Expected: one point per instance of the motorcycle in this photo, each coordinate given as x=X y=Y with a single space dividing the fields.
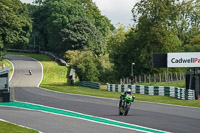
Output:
x=30 y=72
x=126 y=104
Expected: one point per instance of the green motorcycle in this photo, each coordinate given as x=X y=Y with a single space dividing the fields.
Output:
x=126 y=104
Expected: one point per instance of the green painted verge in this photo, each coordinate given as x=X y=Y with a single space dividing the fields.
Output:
x=79 y=116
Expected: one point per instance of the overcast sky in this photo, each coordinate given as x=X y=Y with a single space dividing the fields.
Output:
x=115 y=10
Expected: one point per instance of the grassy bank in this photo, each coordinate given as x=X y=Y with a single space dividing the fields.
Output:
x=6 y=127
x=55 y=79
x=6 y=63
x=180 y=83
x=54 y=74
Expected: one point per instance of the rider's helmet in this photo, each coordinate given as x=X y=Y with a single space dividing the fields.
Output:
x=129 y=91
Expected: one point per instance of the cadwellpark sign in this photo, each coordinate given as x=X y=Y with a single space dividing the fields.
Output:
x=191 y=59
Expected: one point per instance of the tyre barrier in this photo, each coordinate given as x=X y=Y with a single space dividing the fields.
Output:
x=89 y=84
x=180 y=93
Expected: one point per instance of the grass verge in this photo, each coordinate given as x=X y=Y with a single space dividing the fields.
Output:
x=11 y=128
x=54 y=74
x=180 y=83
x=7 y=64
x=55 y=79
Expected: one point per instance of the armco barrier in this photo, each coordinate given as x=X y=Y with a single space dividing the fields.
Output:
x=52 y=56
x=180 y=93
x=89 y=84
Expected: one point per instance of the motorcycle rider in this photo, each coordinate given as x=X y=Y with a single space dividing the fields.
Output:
x=30 y=72
x=123 y=95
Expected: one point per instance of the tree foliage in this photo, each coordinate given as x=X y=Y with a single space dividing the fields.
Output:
x=85 y=64
x=101 y=22
x=160 y=26
x=88 y=66
x=82 y=33
x=153 y=33
x=70 y=24
x=15 y=24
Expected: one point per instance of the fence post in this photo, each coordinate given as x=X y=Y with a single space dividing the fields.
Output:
x=183 y=76
x=121 y=81
x=149 y=78
x=176 y=77
x=165 y=77
x=124 y=82
x=160 y=76
x=169 y=78
x=139 y=78
x=129 y=81
x=135 y=79
x=171 y=75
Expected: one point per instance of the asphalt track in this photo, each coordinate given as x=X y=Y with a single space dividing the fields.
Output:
x=169 y=118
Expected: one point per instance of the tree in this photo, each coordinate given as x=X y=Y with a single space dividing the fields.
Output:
x=101 y=22
x=85 y=63
x=82 y=33
x=15 y=24
x=90 y=67
x=56 y=20
x=116 y=49
x=153 y=32
x=187 y=20
x=194 y=44
x=51 y=17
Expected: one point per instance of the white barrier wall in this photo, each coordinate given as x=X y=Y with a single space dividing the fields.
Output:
x=180 y=93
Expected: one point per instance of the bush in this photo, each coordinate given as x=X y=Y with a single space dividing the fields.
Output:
x=88 y=66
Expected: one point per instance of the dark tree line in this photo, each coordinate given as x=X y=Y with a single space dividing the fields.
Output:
x=61 y=25
x=15 y=24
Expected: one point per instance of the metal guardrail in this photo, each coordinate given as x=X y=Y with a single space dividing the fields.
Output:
x=89 y=84
x=51 y=55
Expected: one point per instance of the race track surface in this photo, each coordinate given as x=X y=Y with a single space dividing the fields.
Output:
x=169 y=118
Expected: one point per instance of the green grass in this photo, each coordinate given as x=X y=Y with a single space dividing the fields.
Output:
x=6 y=127
x=54 y=74
x=55 y=79
x=7 y=63
x=180 y=83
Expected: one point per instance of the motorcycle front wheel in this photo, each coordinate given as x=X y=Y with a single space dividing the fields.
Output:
x=127 y=107
x=120 y=112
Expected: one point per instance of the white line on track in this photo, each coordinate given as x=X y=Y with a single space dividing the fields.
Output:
x=42 y=71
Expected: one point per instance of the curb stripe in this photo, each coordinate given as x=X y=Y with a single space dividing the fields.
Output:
x=80 y=116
